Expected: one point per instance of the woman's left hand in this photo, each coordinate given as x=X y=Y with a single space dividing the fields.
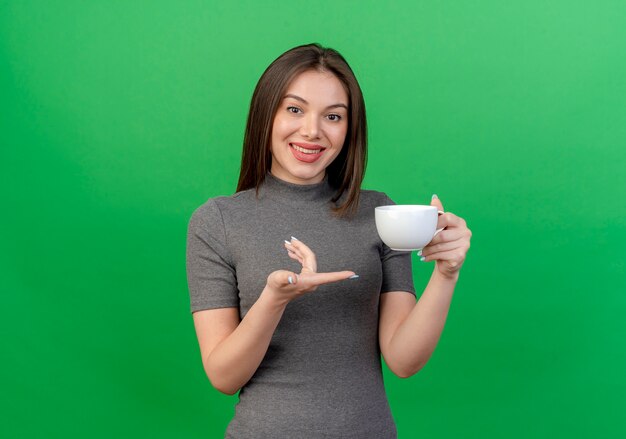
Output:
x=449 y=247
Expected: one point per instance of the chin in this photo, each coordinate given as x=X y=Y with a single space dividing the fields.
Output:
x=306 y=174
x=309 y=175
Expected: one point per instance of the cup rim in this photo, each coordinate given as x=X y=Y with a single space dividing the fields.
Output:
x=406 y=207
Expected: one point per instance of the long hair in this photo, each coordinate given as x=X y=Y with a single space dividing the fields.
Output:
x=346 y=172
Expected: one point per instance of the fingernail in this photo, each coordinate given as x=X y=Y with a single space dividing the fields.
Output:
x=354 y=276
x=419 y=253
x=422 y=258
x=295 y=239
x=287 y=242
x=290 y=280
x=434 y=196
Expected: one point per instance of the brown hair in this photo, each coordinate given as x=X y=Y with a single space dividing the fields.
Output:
x=346 y=172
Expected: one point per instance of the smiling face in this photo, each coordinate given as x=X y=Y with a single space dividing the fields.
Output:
x=309 y=128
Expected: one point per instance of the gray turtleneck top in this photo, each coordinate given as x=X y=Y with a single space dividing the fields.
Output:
x=321 y=376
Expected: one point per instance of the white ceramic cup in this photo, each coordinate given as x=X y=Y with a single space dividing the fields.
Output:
x=407 y=227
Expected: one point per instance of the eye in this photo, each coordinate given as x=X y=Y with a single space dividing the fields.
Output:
x=294 y=110
x=334 y=117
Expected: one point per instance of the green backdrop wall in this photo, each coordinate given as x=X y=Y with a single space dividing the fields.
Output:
x=119 y=118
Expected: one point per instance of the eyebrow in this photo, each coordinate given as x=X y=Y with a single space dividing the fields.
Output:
x=298 y=98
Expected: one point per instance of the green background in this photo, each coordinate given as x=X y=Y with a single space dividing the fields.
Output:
x=119 y=118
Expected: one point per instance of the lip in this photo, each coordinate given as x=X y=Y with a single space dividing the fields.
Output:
x=308 y=145
x=306 y=158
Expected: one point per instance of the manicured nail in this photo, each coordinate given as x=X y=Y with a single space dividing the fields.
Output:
x=354 y=276
x=295 y=239
x=422 y=258
x=287 y=242
x=419 y=253
x=290 y=280
x=434 y=196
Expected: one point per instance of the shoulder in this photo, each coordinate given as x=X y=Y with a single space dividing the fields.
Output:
x=207 y=213
x=369 y=200
x=371 y=197
x=208 y=218
x=214 y=208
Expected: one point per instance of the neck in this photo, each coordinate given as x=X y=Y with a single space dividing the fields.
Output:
x=312 y=194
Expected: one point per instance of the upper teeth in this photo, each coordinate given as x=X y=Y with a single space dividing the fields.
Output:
x=306 y=151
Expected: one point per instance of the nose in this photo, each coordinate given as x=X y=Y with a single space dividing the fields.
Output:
x=310 y=127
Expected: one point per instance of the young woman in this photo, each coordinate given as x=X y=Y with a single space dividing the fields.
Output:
x=294 y=296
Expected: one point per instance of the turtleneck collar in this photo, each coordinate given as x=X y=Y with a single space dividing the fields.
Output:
x=297 y=194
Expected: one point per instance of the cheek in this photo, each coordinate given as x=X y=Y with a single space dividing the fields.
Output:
x=338 y=134
x=283 y=127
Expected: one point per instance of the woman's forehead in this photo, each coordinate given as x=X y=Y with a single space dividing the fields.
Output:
x=314 y=86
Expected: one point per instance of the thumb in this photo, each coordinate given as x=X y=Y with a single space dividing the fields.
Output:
x=435 y=201
x=282 y=278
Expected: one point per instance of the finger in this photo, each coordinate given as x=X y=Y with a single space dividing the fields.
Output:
x=447 y=235
x=326 y=278
x=310 y=260
x=442 y=246
x=450 y=220
x=297 y=255
x=283 y=278
x=453 y=257
x=435 y=201
x=293 y=249
x=292 y=255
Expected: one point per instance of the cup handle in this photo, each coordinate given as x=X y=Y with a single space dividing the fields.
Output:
x=440 y=212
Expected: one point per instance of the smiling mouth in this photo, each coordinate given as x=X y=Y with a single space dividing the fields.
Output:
x=306 y=150
x=307 y=155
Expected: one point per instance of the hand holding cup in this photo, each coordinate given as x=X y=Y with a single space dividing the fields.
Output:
x=441 y=237
x=449 y=248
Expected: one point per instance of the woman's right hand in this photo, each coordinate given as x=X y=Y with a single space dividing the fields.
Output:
x=286 y=285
